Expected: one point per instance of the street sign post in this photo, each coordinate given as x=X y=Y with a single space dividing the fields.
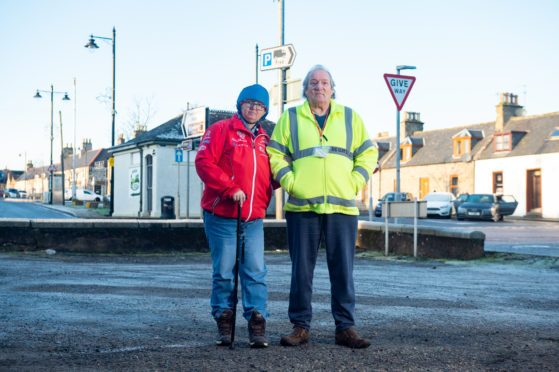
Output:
x=400 y=88
x=178 y=155
x=281 y=56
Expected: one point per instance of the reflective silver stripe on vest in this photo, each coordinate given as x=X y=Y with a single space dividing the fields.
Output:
x=282 y=172
x=303 y=202
x=278 y=146
x=294 y=129
x=309 y=152
x=362 y=171
x=368 y=143
x=334 y=200
x=348 y=129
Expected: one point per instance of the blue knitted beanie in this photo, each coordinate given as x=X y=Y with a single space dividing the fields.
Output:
x=254 y=92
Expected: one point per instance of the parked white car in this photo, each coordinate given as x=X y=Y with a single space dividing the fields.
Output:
x=439 y=204
x=83 y=194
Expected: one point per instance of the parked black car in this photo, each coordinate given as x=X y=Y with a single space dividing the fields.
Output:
x=487 y=207
x=391 y=196
x=460 y=199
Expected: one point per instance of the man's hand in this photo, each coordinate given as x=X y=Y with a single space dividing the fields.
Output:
x=239 y=197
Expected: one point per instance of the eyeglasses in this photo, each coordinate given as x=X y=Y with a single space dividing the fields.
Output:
x=255 y=105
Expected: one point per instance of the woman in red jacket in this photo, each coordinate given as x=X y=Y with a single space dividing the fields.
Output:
x=233 y=164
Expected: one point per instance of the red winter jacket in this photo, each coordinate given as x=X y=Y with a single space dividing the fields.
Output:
x=229 y=159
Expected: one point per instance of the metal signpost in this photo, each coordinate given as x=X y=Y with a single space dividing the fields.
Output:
x=178 y=160
x=400 y=87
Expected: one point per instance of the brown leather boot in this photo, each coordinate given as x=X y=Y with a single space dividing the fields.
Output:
x=224 y=327
x=257 y=330
x=350 y=338
x=298 y=336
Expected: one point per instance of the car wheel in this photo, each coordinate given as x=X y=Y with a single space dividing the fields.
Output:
x=97 y=199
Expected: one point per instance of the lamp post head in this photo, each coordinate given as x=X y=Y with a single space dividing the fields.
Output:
x=404 y=67
x=91 y=44
x=66 y=98
x=37 y=95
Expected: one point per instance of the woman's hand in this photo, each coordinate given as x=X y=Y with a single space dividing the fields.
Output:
x=239 y=197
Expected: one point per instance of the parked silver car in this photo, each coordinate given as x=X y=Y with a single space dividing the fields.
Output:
x=11 y=193
x=439 y=204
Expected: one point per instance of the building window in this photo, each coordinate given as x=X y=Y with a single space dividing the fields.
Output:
x=454 y=189
x=405 y=152
x=497 y=182
x=503 y=142
x=555 y=134
x=461 y=146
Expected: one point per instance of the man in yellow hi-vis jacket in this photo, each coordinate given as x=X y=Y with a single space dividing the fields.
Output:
x=322 y=156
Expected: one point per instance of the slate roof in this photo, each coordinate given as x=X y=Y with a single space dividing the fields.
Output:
x=438 y=146
x=170 y=132
x=534 y=133
x=536 y=140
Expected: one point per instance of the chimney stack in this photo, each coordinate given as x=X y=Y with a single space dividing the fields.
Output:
x=410 y=124
x=140 y=129
x=120 y=139
x=507 y=108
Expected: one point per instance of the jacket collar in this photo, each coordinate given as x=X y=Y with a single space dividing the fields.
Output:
x=335 y=109
x=237 y=123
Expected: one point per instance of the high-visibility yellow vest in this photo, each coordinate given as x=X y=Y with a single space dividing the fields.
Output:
x=322 y=174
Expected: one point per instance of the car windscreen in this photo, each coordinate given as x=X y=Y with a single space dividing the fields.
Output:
x=480 y=198
x=437 y=197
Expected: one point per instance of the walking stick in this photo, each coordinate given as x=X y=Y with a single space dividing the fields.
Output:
x=236 y=271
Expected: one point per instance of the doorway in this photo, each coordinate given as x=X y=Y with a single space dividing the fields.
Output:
x=149 y=183
x=423 y=187
x=534 y=191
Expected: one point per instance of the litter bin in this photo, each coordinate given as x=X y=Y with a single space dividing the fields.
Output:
x=168 y=207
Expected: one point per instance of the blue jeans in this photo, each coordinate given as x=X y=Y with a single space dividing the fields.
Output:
x=222 y=237
x=304 y=232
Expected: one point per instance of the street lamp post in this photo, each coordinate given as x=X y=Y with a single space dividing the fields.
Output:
x=398 y=69
x=92 y=45
x=65 y=98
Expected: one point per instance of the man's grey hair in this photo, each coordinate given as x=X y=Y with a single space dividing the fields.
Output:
x=308 y=77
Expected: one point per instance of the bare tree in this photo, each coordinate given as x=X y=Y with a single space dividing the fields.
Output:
x=139 y=115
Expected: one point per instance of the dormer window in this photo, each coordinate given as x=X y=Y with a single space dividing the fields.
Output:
x=465 y=140
x=409 y=146
x=502 y=142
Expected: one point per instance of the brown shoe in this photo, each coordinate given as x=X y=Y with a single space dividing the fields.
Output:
x=298 y=336
x=224 y=327
x=257 y=330
x=350 y=338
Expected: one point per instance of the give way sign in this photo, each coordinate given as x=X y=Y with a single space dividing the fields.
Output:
x=400 y=87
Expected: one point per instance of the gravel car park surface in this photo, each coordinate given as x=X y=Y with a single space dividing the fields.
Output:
x=145 y=313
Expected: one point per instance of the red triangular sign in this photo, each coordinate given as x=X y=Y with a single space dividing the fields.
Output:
x=400 y=87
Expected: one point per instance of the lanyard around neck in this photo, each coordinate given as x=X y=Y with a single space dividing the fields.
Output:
x=321 y=131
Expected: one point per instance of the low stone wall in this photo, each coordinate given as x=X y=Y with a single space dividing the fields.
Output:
x=159 y=236
x=431 y=242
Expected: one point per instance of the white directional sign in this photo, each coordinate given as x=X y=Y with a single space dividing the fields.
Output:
x=278 y=57
x=400 y=87
x=194 y=122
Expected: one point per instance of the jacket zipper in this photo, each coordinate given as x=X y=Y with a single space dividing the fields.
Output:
x=253 y=176
x=215 y=203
